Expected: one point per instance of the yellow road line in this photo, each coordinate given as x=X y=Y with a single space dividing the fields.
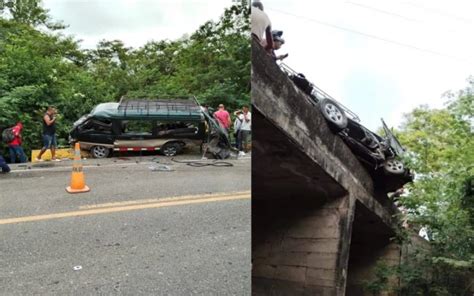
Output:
x=165 y=199
x=122 y=209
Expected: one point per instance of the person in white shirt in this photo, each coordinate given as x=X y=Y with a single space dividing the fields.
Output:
x=237 y=126
x=245 y=129
x=261 y=25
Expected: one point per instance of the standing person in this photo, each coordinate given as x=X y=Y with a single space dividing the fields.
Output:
x=223 y=117
x=245 y=129
x=49 y=133
x=3 y=165
x=237 y=129
x=261 y=25
x=15 y=145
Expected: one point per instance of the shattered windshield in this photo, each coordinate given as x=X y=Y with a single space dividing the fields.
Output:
x=81 y=120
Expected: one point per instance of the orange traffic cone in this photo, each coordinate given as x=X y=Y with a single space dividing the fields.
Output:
x=78 y=184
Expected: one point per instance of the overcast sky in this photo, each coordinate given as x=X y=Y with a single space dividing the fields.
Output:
x=133 y=21
x=329 y=42
x=430 y=50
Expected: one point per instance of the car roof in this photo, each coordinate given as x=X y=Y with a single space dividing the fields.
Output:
x=169 y=109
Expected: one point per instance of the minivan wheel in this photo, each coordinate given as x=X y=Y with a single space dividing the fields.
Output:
x=394 y=167
x=333 y=113
x=170 y=149
x=100 y=151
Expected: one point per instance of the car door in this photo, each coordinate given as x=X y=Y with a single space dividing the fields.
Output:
x=392 y=140
x=216 y=130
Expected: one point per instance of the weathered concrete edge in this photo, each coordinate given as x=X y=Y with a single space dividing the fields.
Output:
x=272 y=103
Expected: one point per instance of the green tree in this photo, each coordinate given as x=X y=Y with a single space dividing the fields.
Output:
x=441 y=154
x=43 y=67
x=29 y=12
x=213 y=64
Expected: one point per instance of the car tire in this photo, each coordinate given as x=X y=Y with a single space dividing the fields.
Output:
x=393 y=167
x=100 y=151
x=170 y=149
x=333 y=114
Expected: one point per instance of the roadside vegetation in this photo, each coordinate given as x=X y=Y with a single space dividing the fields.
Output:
x=440 y=201
x=41 y=66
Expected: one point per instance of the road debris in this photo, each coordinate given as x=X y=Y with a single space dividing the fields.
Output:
x=204 y=162
x=77 y=267
x=162 y=168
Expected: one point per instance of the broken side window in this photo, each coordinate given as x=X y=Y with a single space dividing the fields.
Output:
x=98 y=125
x=137 y=127
x=182 y=129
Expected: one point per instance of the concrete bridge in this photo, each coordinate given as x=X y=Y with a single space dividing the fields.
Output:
x=318 y=225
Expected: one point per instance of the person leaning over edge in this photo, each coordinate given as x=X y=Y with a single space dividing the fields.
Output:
x=278 y=41
x=49 y=133
x=261 y=25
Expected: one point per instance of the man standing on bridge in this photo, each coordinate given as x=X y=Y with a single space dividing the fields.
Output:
x=261 y=25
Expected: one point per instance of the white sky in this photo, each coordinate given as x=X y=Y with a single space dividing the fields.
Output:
x=375 y=78
x=133 y=21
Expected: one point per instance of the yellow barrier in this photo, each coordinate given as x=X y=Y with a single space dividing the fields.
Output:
x=60 y=153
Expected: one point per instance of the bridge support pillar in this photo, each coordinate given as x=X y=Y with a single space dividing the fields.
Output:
x=301 y=249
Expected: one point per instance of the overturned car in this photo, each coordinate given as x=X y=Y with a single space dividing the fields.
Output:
x=166 y=125
x=380 y=155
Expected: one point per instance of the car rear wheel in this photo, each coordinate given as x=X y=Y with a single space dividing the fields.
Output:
x=100 y=151
x=170 y=149
x=333 y=113
x=394 y=167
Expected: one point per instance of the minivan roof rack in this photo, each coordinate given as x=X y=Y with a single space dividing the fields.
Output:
x=170 y=108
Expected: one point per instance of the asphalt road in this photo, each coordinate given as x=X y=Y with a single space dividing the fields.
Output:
x=137 y=232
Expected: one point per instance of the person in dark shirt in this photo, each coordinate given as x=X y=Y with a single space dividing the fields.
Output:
x=3 y=165
x=49 y=134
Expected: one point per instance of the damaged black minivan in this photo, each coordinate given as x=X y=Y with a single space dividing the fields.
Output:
x=166 y=125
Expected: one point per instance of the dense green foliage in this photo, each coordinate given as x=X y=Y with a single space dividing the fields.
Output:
x=442 y=155
x=39 y=66
x=440 y=200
